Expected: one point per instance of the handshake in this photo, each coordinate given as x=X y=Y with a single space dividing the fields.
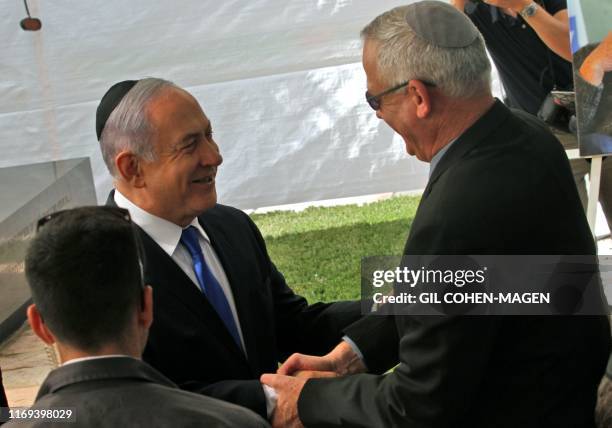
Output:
x=291 y=377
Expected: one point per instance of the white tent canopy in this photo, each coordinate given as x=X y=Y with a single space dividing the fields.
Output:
x=281 y=81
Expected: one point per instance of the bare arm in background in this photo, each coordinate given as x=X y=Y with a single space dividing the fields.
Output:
x=553 y=30
x=598 y=62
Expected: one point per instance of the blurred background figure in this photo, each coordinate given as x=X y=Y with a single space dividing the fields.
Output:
x=529 y=42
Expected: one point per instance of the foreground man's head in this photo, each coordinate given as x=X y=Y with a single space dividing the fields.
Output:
x=84 y=271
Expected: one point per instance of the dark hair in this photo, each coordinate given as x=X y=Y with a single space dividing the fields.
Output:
x=84 y=270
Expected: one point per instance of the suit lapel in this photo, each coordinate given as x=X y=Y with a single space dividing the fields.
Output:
x=470 y=139
x=162 y=271
x=160 y=265
x=228 y=258
x=491 y=120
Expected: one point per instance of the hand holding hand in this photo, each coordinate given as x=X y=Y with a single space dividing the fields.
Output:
x=299 y=363
x=342 y=360
x=598 y=62
x=288 y=389
x=312 y=374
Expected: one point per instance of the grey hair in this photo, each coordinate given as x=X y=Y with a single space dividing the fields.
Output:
x=128 y=126
x=403 y=55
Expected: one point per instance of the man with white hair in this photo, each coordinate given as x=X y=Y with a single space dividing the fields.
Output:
x=492 y=190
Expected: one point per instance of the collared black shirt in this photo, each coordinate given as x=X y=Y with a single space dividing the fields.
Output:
x=521 y=58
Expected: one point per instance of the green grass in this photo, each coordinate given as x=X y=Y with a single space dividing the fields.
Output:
x=319 y=250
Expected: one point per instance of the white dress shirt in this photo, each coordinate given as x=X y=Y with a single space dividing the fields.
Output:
x=167 y=235
x=435 y=160
x=94 y=357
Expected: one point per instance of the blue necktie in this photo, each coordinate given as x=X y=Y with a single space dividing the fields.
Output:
x=208 y=283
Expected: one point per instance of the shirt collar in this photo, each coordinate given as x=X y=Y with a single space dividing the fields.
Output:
x=101 y=368
x=435 y=160
x=495 y=13
x=165 y=233
x=96 y=357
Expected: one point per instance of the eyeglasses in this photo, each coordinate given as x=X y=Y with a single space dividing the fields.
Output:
x=121 y=213
x=374 y=100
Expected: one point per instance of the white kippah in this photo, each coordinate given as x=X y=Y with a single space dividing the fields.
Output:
x=441 y=24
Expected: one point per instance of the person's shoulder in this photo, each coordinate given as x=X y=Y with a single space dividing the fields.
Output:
x=222 y=212
x=509 y=157
x=228 y=220
x=518 y=135
x=537 y=133
x=48 y=402
x=531 y=122
x=138 y=404
x=187 y=406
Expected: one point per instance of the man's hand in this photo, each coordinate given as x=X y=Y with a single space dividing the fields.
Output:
x=312 y=374
x=598 y=62
x=306 y=363
x=342 y=360
x=288 y=389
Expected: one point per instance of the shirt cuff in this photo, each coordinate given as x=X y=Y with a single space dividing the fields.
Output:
x=355 y=349
x=271 y=397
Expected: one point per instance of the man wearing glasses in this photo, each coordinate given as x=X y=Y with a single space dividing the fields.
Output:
x=223 y=312
x=85 y=273
x=492 y=190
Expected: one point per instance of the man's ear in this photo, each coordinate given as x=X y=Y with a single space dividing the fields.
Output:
x=38 y=325
x=145 y=317
x=129 y=167
x=421 y=97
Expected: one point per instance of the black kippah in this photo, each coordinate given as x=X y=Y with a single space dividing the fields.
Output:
x=110 y=101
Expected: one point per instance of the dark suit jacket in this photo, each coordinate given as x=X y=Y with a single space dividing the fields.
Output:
x=118 y=392
x=188 y=341
x=3 y=400
x=504 y=187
